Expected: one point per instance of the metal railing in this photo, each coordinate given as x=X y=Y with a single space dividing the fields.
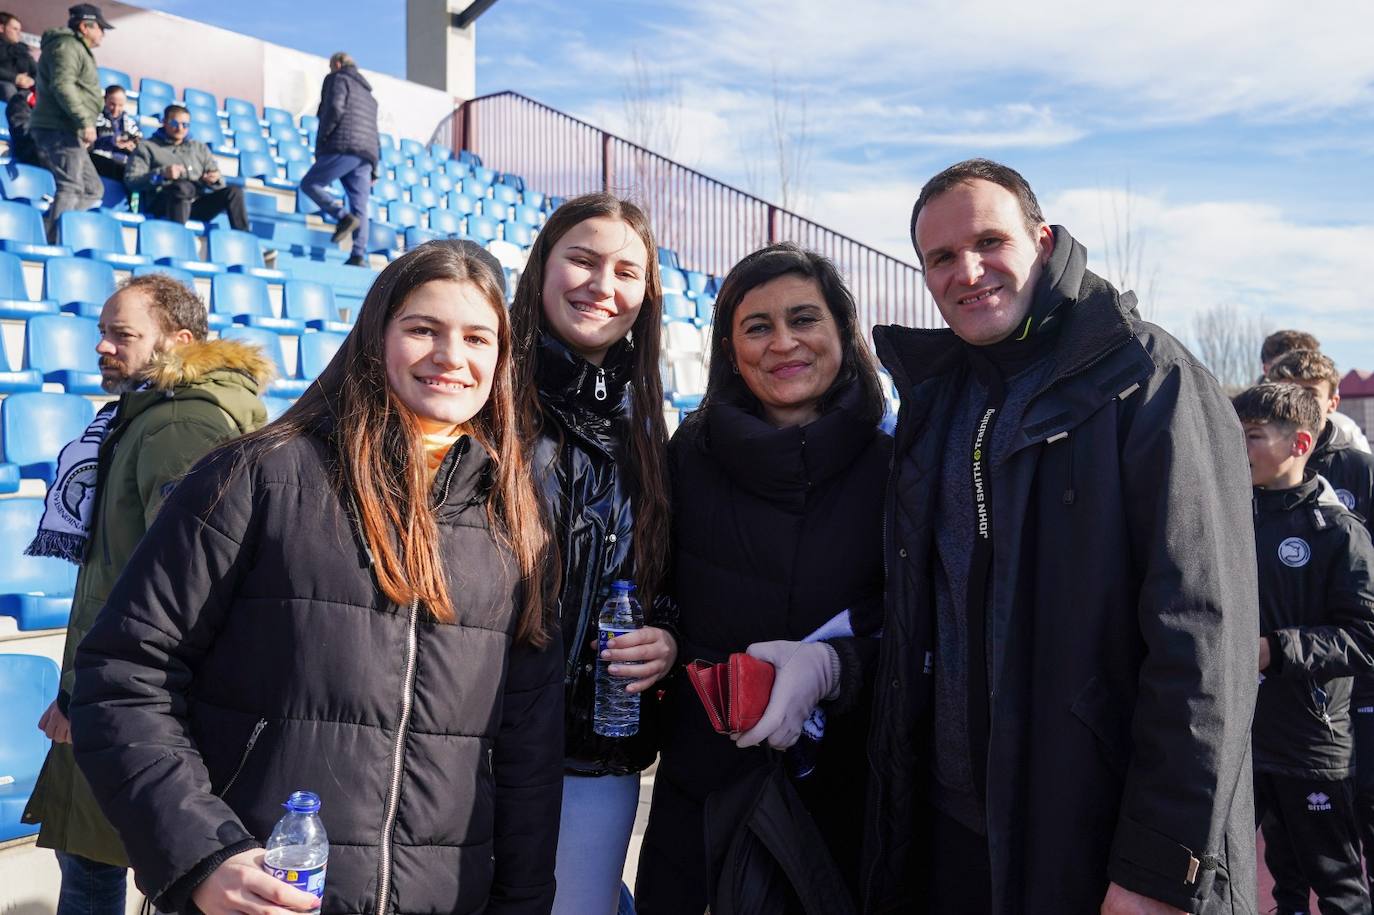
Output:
x=709 y=224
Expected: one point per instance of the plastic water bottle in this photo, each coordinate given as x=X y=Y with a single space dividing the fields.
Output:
x=617 y=712
x=298 y=850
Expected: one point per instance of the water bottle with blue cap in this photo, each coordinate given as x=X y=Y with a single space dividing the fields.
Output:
x=298 y=850
x=616 y=712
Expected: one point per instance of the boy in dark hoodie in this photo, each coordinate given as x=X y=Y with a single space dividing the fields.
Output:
x=1317 y=631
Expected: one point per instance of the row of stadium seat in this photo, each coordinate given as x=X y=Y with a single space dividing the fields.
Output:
x=28 y=683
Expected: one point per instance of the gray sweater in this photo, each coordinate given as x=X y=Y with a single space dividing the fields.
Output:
x=158 y=151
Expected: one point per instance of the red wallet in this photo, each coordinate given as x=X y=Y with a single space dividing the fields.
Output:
x=735 y=692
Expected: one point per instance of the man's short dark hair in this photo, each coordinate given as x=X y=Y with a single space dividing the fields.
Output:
x=5 y=19
x=1285 y=341
x=975 y=170
x=1305 y=365
x=1286 y=406
x=176 y=306
x=112 y=89
x=173 y=109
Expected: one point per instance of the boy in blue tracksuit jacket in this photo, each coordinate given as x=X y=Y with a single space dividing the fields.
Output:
x=1316 y=633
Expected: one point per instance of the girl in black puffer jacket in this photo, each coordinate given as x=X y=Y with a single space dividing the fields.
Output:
x=349 y=601
x=586 y=318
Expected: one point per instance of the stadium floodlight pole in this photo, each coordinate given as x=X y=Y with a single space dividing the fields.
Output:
x=468 y=16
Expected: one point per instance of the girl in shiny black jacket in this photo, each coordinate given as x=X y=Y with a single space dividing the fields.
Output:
x=586 y=318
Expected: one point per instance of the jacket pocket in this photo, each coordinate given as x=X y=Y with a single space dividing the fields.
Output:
x=243 y=757
x=1100 y=712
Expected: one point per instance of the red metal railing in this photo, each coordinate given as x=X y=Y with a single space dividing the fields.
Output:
x=710 y=224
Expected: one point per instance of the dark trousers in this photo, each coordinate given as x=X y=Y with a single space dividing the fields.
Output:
x=1311 y=837
x=78 y=184
x=90 y=887
x=1362 y=724
x=181 y=200
x=356 y=175
x=106 y=167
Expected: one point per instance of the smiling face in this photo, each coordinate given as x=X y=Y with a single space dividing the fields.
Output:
x=114 y=103
x=982 y=263
x=786 y=345
x=594 y=282
x=441 y=349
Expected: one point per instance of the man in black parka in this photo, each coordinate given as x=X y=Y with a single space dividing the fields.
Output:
x=1067 y=674
x=347 y=148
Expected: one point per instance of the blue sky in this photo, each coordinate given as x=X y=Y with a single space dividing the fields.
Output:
x=1238 y=135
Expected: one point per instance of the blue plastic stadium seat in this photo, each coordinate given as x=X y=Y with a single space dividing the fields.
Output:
x=459 y=202
x=28 y=685
x=416 y=236
x=483 y=175
x=457 y=169
x=439 y=152
x=237 y=107
x=241 y=252
x=21 y=233
x=276 y=406
x=505 y=192
x=381 y=238
x=245 y=124
x=63 y=349
x=278 y=116
x=696 y=282
x=496 y=209
x=205 y=128
x=385 y=190
x=182 y=276
x=471 y=158
x=667 y=257
x=112 y=77
x=247 y=143
x=26 y=183
x=445 y=222
x=411 y=148
x=238 y=298
x=14 y=295
x=153 y=106
x=14 y=381
x=408 y=176
x=35 y=427
x=199 y=98
x=392 y=157
x=440 y=182
x=483 y=228
x=424 y=197
x=313 y=304
x=386 y=140
x=294 y=153
x=157 y=87
x=36 y=591
x=706 y=308
x=284 y=384
x=263 y=166
x=316 y=351
x=283 y=132
x=678 y=307
x=78 y=285
x=530 y=216
x=173 y=245
x=115 y=196
x=424 y=162
x=402 y=215
x=517 y=233
x=98 y=236
x=309 y=122
x=673 y=279
x=533 y=199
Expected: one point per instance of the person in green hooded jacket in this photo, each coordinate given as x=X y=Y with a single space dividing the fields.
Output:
x=180 y=396
x=69 y=101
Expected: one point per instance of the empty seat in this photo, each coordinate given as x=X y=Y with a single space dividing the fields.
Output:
x=386 y=141
x=424 y=162
x=518 y=233
x=21 y=233
x=505 y=193
x=483 y=175
x=245 y=125
x=416 y=236
x=34 y=590
x=507 y=254
x=14 y=295
x=673 y=279
x=459 y=202
x=424 y=197
x=276 y=406
x=402 y=214
x=174 y=245
x=667 y=257
x=26 y=183
x=483 y=228
x=250 y=143
x=678 y=307
x=313 y=304
x=14 y=381
x=411 y=148
x=681 y=339
x=408 y=176
x=689 y=382
x=34 y=428
x=263 y=167
x=441 y=183
x=205 y=128
x=28 y=685
x=62 y=348
x=706 y=308
x=457 y=169
x=152 y=106
x=309 y=122
x=78 y=285
x=239 y=298
x=392 y=157
x=156 y=87
x=285 y=383
x=696 y=282
x=530 y=216
x=278 y=116
x=98 y=236
x=241 y=252
x=445 y=222
x=182 y=276
x=115 y=197
x=385 y=190
x=112 y=77
x=316 y=352
x=381 y=238
x=283 y=132
x=294 y=153
x=533 y=199
x=237 y=107
x=439 y=152
x=496 y=209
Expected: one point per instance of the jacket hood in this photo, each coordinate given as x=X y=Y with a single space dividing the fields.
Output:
x=228 y=373
x=53 y=37
x=352 y=73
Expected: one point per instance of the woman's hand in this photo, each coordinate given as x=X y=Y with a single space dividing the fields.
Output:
x=805 y=676
x=240 y=886
x=654 y=648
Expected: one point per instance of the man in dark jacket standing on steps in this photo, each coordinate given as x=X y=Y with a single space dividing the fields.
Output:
x=348 y=148
x=1067 y=674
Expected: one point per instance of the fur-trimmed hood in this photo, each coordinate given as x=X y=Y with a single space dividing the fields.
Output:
x=193 y=362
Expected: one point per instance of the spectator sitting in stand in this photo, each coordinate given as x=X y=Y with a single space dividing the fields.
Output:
x=18 y=110
x=116 y=135
x=17 y=66
x=179 y=177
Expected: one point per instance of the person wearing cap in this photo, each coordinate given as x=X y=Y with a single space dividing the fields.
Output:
x=69 y=101
x=1067 y=673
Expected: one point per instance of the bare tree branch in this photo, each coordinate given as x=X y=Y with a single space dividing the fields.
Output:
x=1227 y=339
x=1123 y=252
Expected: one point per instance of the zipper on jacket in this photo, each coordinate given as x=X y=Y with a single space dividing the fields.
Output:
x=243 y=760
x=600 y=391
x=393 y=795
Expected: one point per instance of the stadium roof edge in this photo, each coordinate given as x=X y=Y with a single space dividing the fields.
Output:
x=470 y=15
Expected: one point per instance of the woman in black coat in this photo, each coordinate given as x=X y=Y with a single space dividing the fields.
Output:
x=778 y=486
x=349 y=602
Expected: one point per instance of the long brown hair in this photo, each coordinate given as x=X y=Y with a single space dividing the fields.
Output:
x=649 y=435
x=381 y=464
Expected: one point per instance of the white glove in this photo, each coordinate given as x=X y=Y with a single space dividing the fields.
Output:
x=807 y=672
